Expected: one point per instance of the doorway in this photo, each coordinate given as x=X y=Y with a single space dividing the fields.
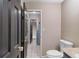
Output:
x=34 y=34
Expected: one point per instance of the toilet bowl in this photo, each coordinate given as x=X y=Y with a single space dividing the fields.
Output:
x=59 y=54
x=54 y=54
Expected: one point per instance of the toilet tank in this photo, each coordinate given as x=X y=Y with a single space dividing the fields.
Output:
x=65 y=44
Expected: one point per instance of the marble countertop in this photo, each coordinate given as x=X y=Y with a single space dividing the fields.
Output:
x=72 y=52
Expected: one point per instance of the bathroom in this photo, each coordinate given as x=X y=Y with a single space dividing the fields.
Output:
x=59 y=21
x=39 y=29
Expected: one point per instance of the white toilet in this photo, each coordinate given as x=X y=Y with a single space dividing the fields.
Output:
x=59 y=54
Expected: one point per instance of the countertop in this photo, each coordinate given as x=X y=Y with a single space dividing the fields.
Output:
x=72 y=52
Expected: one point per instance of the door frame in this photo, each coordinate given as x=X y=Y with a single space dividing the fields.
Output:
x=41 y=27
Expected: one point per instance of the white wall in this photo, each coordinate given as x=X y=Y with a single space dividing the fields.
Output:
x=70 y=21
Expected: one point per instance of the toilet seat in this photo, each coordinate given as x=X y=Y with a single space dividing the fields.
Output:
x=54 y=54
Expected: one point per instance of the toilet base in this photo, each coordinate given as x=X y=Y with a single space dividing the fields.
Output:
x=54 y=54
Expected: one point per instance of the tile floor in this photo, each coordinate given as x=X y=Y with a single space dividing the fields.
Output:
x=33 y=50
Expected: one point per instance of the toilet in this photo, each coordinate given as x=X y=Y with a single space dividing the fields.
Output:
x=59 y=54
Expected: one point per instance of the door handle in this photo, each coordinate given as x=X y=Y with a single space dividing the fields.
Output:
x=18 y=48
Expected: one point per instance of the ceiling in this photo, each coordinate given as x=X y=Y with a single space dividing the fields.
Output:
x=47 y=1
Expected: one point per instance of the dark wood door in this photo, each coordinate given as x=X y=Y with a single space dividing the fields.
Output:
x=3 y=28
x=14 y=30
x=10 y=28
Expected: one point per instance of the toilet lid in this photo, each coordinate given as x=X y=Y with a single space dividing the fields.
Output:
x=54 y=53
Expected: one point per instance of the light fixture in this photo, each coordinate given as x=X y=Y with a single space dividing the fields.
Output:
x=47 y=1
x=34 y=12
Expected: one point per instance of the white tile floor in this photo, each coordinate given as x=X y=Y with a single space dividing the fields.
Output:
x=33 y=50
